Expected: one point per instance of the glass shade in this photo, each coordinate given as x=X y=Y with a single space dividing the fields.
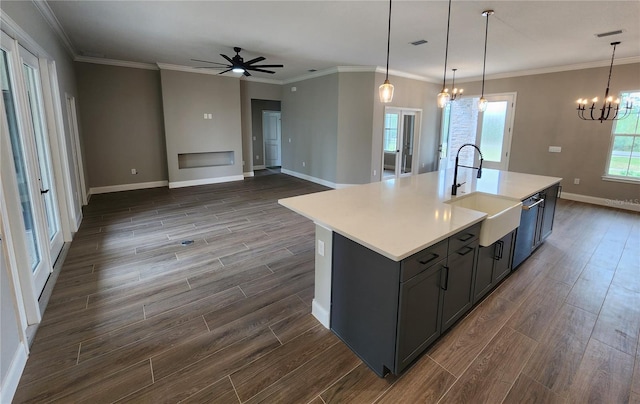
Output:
x=482 y=104
x=386 y=92
x=443 y=98
x=237 y=70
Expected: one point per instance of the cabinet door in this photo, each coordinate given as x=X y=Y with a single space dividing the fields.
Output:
x=502 y=257
x=484 y=271
x=458 y=284
x=418 y=320
x=548 y=214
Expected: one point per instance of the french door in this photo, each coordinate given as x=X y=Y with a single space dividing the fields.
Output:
x=399 y=141
x=25 y=119
x=490 y=130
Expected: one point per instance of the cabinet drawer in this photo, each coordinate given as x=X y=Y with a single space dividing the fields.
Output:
x=413 y=265
x=464 y=237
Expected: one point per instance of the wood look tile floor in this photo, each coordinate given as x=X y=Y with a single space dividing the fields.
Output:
x=203 y=295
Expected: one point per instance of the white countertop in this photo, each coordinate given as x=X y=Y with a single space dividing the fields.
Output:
x=397 y=218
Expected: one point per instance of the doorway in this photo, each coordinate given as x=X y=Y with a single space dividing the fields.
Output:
x=490 y=130
x=271 y=135
x=399 y=142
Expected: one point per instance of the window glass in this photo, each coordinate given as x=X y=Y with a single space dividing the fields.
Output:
x=624 y=160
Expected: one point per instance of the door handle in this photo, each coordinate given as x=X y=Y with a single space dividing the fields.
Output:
x=425 y=260
x=538 y=202
x=445 y=272
x=498 y=250
x=467 y=236
x=44 y=191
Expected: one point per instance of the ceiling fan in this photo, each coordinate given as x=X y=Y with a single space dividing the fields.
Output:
x=238 y=65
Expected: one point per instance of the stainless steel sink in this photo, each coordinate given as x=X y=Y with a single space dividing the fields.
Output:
x=503 y=214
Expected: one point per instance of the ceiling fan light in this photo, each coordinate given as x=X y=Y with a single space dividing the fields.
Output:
x=237 y=70
x=386 y=92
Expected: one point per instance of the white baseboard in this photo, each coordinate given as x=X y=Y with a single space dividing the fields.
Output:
x=633 y=205
x=315 y=179
x=127 y=187
x=248 y=174
x=261 y=167
x=321 y=314
x=79 y=217
x=10 y=382
x=205 y=181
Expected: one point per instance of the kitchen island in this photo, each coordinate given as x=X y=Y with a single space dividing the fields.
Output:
x=374 y=240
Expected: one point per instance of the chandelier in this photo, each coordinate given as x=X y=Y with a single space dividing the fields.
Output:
x=605 y=113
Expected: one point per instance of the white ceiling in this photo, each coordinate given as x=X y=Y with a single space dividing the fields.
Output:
x=303 y=35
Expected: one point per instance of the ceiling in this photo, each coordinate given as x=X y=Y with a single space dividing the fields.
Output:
x=524 y=36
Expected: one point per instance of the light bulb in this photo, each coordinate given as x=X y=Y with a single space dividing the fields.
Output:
x=617 y=100
x=579 y=101
x=595 y=99
x=237 y=70
x=461 y=90
x=482 y=104
x=609 y=99
x=386 y=92
x=443 y=98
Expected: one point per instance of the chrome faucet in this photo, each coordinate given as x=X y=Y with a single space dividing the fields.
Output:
x=454 y=187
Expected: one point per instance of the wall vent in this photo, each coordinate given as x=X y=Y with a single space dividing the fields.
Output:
x=418 y=42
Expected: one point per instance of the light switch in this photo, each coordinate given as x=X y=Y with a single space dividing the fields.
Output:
x=555 y=149
x=321 y=248
x=210 y=116
x=205 y=116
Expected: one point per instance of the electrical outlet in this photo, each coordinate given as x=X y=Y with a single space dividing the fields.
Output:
x=294 y=89
x=257 y=157
x=304 y=164
x=555 y=149
x=576 y=181
x=205 y=116
x=375 y=172
x=134 y=171
x=321 y=248
x=254 y=138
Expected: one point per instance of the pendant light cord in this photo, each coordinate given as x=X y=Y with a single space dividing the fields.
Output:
x=484 y=63
x=446 y=49
x=388 y=42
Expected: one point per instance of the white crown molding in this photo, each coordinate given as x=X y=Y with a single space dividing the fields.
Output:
x=556 y=69
x=263 y=80
x=188 y=69
x=54 y=23
x=115 y=62
x=311 y=75
x=411 y=76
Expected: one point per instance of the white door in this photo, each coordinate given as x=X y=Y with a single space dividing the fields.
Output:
x=81 y=194
x=46 y=181
x=491 y=131
x=25 y=164
x=399 y=142
x=272 y=138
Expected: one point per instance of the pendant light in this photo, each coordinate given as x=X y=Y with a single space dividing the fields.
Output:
x=482 y=103
x=455 y=92
x=443 y=96
x=386 y=89
x=608 y=103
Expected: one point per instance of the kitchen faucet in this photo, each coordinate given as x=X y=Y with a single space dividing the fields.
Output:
x=454 y=187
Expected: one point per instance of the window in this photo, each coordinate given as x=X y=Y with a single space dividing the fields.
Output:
x=624 y=159
x=391 y=132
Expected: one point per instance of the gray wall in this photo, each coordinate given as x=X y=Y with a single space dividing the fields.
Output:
x=257 y=106
x=355 y=125
x=253 y=90
x=186 y=98
x=123 y=125
x=409 y=93
x=546 y=116
x=310 y=120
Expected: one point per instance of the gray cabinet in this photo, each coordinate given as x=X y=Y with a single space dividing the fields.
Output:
x=494 y=263
x=389 y=312
x=550 y=196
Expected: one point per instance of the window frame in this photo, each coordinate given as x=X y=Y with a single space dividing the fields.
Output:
x=622 y=178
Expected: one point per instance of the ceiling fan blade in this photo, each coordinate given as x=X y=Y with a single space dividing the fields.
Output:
x=207 y=61
x=260 y=70
x=228 y=70
x=246 y=73
x=227 y=58
x=256 y=60
x=267 y=66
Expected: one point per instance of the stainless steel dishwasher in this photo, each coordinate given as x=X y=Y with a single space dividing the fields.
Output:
x=526 y=236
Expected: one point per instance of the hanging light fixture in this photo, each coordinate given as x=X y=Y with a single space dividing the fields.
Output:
x=455 y=93
x=608 y=103
x=386 y=89
x=482 y=103
x=443 y=96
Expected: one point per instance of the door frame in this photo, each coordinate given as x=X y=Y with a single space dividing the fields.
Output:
x=264 y=154
x=417 y=131
x=509 y=123
x=508 y=135
x=76 y=151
